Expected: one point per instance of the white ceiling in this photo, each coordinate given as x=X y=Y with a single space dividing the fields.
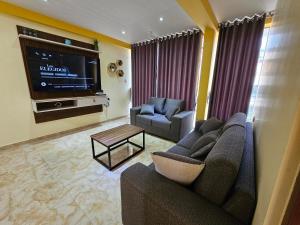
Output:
x=231 y=9
x=138 y=18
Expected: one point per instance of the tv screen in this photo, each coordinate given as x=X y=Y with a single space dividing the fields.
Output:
x=53 y=71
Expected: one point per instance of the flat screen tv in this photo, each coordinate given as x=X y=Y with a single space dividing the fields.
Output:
x=54 y=71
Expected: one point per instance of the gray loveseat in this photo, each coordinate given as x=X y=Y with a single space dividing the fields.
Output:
x=223 y=194
x=180 y=124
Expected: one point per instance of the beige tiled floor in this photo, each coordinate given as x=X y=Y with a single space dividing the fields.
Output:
x=57 y=181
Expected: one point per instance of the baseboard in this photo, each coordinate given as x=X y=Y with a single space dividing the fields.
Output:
x=58 y=134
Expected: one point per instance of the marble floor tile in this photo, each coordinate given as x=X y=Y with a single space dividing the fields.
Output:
x=56 y=181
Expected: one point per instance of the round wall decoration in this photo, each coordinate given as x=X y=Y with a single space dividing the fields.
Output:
x=120 y=73
x=119 y=62
x=112 y=67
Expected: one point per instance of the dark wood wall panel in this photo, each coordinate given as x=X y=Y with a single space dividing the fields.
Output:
x=63 y=113
x=66 y=113
x=48 y=46
x=53 y=37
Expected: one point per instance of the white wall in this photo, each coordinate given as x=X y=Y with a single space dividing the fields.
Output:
x=16 y=117
x=276 y=108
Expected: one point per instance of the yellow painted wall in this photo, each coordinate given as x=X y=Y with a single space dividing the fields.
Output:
x=276 y=128
x=206 y=71
x=16 y=116
x=15 y=10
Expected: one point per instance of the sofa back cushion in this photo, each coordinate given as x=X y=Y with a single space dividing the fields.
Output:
x=171 y=112
x=210 y=125
x=205 y=139
x=173 y=103
x=222 y=166
x=158 y=103
x=242 y=199
x=238 y=119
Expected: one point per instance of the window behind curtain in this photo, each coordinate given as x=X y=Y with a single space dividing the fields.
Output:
x=256 y=83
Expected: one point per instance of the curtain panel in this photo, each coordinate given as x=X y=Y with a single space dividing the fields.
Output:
x=177 y=67
x=237 y=54
x=144 y=60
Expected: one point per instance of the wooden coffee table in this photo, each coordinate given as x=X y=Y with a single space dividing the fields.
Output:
x=114 y=138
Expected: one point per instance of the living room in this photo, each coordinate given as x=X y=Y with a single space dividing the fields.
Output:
x=149 y=112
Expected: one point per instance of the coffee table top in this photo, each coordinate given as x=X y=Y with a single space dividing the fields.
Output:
x=117 y=134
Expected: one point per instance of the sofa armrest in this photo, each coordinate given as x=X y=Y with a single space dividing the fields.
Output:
x=198 y=124
x=182 y=124
x=133 y=112
x=149 y=198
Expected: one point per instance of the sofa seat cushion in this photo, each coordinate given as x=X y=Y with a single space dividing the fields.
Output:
x=189 y=140
x=158 y=104
x=144 y=119
x=160 y=121
x=180 y=150
x=173 y=103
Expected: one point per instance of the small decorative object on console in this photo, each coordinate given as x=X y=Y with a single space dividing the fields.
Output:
x=68 y=42
x=96 y=44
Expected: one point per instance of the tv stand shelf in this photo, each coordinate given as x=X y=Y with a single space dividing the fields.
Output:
x=66 y=113
x=53 y=109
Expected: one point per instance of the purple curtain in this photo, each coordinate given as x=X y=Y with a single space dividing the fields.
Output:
x=177 y=67
x=235 y=67
x=143 y=60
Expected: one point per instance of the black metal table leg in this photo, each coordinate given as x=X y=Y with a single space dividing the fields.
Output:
x=93 y=148
x=109 y=158
x=143 y=139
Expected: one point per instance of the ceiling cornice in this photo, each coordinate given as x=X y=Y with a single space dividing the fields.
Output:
x=27 y=14
x=210 y=12
x=201 y=12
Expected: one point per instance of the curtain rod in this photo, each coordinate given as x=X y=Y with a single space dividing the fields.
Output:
x=230 y=22
x=170 y=35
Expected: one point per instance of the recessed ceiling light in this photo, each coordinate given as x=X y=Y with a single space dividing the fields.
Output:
x=45 y=0
x=161 y=19
x=123 y=32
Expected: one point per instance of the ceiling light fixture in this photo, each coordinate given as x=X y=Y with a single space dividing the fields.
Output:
x=45 y=0
x=123 y=32
x=161 y=19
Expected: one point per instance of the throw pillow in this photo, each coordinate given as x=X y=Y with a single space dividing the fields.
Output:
x=173 y=102
x=202 y=152
x=178 y=168
x=210 y=124
x=147 y=109
x=205 y=139
x=158 y=104
x=171 y=112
